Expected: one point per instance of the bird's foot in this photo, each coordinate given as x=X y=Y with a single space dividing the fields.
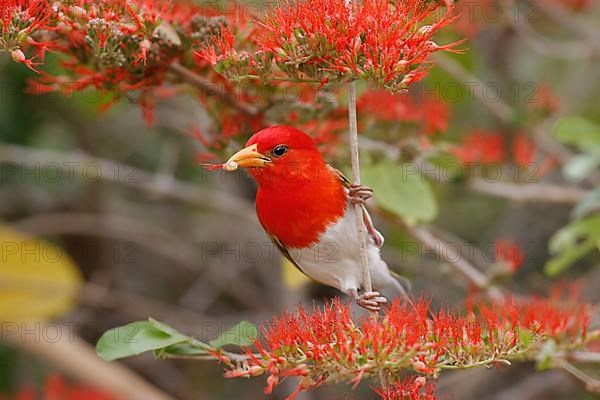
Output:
x=359 y=194
x=372 y=301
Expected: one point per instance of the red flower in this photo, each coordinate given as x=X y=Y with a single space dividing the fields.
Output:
x=481 y=147
x=415 y=388
x=25 y=15
x=326 y=132
x=523 y=150
x=577 y=5
x=545 y=100
x=115 y=46
x=431 y=115
x=436 y=116
x=18 y=56
x=386 y=106
x=387 y=43
x=510 y=253
x=222 y=48
x=328 y=346
x=56 y=388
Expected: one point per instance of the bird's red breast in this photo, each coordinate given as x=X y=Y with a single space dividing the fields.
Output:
x=299 y=195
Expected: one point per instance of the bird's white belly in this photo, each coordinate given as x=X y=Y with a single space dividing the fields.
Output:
x=335 y=259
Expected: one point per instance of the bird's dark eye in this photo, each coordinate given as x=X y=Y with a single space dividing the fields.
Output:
x=280 y=150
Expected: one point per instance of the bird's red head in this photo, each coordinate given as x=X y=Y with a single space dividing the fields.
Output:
x=299 y=195
x=282 y=156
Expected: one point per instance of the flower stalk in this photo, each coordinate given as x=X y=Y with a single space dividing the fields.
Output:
x=354 y=157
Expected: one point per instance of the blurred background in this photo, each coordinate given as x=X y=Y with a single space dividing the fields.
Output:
x=106 y=219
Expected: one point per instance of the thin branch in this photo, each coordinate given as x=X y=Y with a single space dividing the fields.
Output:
x=546 y=193
x=211 y=88
x=497 y=107
x=139 y=306
x=358 y=208
x=571 y=21
x=592 y=384
x=548 y=384
x=456 y=260
x=78 y=358
x=236 y=357
x=118 y=227
x=538 y=192
x=588 y=357
x=80 y=164
x=553 y=48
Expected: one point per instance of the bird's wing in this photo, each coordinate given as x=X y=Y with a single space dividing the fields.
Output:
x=374 y=233
x=345 y=181
x=286 y=253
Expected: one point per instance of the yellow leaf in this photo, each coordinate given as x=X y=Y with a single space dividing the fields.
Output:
x=38 y=280
x=292 y=277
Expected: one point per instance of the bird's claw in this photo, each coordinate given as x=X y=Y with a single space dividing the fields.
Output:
x=359 y=194
x=372 y=301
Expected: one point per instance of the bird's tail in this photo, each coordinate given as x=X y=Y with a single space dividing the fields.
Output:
x=401 y=285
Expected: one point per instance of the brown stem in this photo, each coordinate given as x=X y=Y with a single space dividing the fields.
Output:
x=588 y=357
x=456 y=260
x=360 y=227
x=571 y=21
x=531 y=192
x=212 y=89
x=113 y=171
x=499 y=108
x=77 y=358
x=592 y=385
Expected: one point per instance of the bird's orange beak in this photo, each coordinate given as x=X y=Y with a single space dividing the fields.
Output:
x=248 y=157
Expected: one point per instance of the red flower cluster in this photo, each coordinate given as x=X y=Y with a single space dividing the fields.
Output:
x=576 y=5
x=116 y=46
x=416 y=388
x=510 y=253
x=125 y=49
x=481 y=146
x=523 y=150
x=546 y=100
x=432 y=116
x=388 y=43
x=327 y=345
x=57 y=389
x=19 y=19
x=484 y=147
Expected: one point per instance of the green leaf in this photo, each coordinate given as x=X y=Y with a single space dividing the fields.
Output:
x=161 y=326
x=588 y=205
x=572 y=243
x=135 y=338
x=402 y=190
x=546 y=355
x=578 y=132
x=581 y=166
x=567 y=258
x=568 y=236
x=243 y=334
x=526 y=337
x=447 y=164
x=219 y=67
x=183 y=349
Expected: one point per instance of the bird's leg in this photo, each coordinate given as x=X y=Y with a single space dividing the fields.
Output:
x=371 y=301
x=359 y=194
